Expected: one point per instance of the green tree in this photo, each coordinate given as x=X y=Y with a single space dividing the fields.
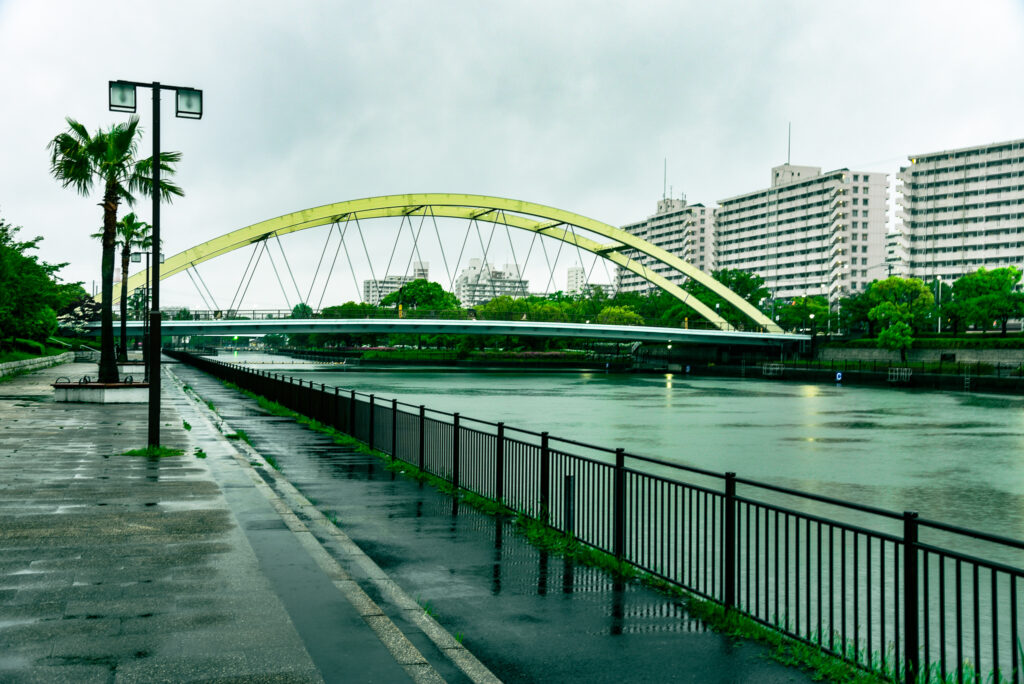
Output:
x=131 y=234
x=619 y=315
x=897 y=336
x=302 y=310
x=422 y=294
x=985 y=296
x=29 y=293
x=183 y=314
x=77 y=160
x=910 y=297
x=796 y=314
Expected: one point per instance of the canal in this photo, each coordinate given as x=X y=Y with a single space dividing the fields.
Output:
x=954 y=457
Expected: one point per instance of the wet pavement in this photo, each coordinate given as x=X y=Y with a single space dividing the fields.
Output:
x=527 y=615
x=188 y=568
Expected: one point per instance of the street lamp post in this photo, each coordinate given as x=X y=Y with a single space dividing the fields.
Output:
x=137 y=257
x=189 y=105
x=938 y=289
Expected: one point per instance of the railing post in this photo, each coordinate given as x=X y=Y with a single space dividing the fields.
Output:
x=335 y=418
x=545 y=478
x=729 y=598
x=911 y=657
x=372 y=424
x=394 y=428
x=352 y=413
x=619 y=505
x=422 y=425
x=568 y=501
x=499 y=464
x=455 y=451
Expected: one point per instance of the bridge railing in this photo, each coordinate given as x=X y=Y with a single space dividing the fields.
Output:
x=910 y=599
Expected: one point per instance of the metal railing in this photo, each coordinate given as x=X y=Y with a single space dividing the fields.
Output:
x=911 y=599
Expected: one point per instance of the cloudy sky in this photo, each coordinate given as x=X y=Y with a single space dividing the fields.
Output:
x=571 y=104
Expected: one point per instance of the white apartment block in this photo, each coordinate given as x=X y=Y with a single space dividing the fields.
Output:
x=481 y=282
x=963 y=209
x=681 y=229
x=809 y=233
x=376 y=290
x=575 y=280
x=897 y=254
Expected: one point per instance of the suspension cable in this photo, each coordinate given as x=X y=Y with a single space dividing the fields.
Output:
x=203 y=282
x=369 y=261
x=312 y=282
x=263 y=244
x=508 y=233
x=188 y=272
x=551 y=277
x=415 y=242
x=451 y=286
x=394 y=247
x=440 y=244
x=359 y=293
x=278 y=276
x=333 y=262
x=490 y=274
x=256 y=247
x=289 y=266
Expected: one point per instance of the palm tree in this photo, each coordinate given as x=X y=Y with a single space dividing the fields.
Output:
x=131 y=233
x=77 y=159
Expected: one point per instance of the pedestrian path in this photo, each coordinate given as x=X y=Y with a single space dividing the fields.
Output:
x=527 y=615
x=116 y=568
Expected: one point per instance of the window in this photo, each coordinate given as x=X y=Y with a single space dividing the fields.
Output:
x=864 y=213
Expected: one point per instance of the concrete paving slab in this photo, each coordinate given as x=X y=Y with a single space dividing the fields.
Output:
x=117 y=568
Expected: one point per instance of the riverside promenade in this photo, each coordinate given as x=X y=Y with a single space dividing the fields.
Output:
x=213 y=566
x=116 y=568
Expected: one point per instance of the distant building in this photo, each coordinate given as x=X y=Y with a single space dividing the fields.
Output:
x=376 y=290
x=963 y=209
x=681 y=229
x=481 y=282
x=897 y=254
x=575 y=279
x=809 y=233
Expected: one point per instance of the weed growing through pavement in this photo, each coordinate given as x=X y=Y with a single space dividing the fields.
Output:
x=155 y=452
x=185 y=424
x=200 y=453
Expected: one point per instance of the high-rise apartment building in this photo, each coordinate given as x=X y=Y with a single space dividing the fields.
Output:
x=681 y=229
x=376 y=290
x=575 y=280
x=963 y=209
x=481 y=282
x=808 y=233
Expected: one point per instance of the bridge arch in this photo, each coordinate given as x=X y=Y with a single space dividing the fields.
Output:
x=537 y=218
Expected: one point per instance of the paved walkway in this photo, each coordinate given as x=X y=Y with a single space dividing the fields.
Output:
x=529 y=616
x=121 y=569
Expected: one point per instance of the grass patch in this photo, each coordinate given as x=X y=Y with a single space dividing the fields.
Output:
x=200 y=453
x=185 y=424
x=240 y=435
x=155 y=452
x=209 y=405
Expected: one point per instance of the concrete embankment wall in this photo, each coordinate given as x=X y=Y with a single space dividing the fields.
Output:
x=948 y=382
x=32 y=364
x=993 y=356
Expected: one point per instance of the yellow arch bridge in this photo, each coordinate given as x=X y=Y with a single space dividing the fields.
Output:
x=617 y=247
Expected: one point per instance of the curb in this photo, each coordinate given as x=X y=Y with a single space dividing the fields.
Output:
x=292 y=506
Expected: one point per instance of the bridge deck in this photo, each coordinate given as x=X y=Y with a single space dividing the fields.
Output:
x=616 y=333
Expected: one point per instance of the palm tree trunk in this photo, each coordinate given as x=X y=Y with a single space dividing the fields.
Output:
x=122 y=354
x=108 y=361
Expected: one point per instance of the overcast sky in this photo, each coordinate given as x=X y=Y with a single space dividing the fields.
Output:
x=571 y=104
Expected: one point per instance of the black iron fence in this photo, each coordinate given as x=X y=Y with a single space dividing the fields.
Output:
x=911 y=599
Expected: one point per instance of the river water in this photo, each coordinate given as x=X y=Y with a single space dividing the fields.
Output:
x=954 y=457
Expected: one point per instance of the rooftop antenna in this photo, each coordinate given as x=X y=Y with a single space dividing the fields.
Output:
x=664 y=179
x=789 y=142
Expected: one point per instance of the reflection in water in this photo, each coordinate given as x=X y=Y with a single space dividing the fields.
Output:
x=499 y=531
x=568 y=575
x=542 y=574
x=618 y=607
